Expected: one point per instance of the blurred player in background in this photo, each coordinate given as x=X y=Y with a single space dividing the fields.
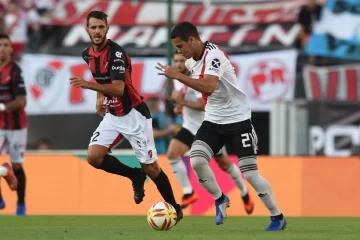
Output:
x=227 y=119
x=13 y=123
x=127 y=116
x=190 y=103
x=161 y=123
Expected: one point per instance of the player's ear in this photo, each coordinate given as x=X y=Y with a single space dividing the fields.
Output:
x=191 y=40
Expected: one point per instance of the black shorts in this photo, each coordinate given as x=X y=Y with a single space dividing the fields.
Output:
x=185 y=136
x=240 y=135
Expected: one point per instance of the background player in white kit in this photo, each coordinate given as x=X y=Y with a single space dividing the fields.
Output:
x=227 y=119
x=190 y=103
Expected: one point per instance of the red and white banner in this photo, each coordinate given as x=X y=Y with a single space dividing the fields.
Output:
x=139 y=13
x=332 y=83
x=265 y=77
x=140 y=27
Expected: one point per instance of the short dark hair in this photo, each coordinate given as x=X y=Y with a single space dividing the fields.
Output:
x=184 y=30
x=4 y=36
x=98 y=15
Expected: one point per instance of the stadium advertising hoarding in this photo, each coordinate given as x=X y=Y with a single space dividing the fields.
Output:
x=334 y=128
x=302 y=194
x=332 y=83
x=141 y=27
x=265 y=77
x=337 y=34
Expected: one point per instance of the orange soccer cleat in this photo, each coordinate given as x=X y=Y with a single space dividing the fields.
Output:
x=188 y=199
x=248 y=204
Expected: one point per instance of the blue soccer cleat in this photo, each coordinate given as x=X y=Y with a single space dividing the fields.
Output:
x=21 y=209
x=2 y=203
x=221 y=209
x=276 y=224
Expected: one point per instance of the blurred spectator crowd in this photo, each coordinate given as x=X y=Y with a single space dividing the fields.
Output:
x=25 y=21
x=28 y=23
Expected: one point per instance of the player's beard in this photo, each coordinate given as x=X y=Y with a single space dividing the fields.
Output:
x=4 y=57
x=98 y=43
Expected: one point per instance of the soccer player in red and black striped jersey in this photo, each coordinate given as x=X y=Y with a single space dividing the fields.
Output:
x=13 y=123
x=127 y=116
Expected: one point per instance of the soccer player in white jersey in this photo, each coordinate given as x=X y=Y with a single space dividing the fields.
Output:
x=227 y=119
x=190 y=104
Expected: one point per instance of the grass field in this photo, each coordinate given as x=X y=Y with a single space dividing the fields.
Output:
x=190 y=228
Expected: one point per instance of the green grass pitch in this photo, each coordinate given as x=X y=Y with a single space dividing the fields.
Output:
x=190 y=228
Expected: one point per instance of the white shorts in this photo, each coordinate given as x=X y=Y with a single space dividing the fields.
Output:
x=13 y=142
x=135 y=127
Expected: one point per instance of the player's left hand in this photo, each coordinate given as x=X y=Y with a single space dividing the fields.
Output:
x=78 y=82
x=167 y=71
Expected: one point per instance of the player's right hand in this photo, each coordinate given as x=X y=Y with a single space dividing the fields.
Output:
x=100 y=107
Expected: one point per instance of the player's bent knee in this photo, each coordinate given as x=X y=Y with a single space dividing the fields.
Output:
x=152 y=169
x=224 y=166
x=200 y=154
x=175 y=151
x=249 y=168
x=223 y=162
x=96 y=155
x=173 y=155
x=251 y=175
x=94 y=161
x=16 y=166
x=198 y=162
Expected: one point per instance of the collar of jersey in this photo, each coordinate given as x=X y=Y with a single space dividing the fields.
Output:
x=98 y=53
x=202 y=54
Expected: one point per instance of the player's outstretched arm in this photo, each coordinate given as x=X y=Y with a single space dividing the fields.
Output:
x=15 y=105
x=207 y=84
x=115 y=88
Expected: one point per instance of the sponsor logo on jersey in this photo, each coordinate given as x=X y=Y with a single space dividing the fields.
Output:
x=118 y=54
x=215 y=63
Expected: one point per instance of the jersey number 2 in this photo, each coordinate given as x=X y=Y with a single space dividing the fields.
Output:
x=96 y=134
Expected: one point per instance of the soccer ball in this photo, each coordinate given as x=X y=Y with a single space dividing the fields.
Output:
x=161 y=216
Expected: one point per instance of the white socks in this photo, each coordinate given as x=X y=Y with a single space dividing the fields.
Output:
x=181 y=174
x=3 y=171
x=248 y=167
x=235 y=174
x=206 y=176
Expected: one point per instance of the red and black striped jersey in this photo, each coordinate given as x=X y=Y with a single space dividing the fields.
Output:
x=11 y=86
x=113 y=64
